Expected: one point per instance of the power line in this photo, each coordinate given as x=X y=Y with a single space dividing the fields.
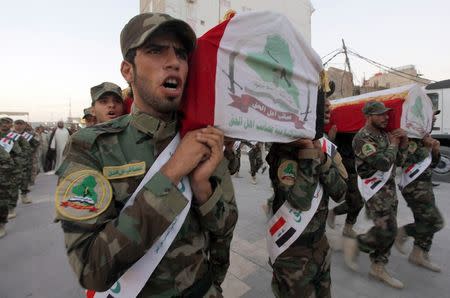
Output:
x=390 y=69
x=331 y=53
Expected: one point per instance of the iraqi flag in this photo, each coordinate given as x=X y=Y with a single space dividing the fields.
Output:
x=256 y=78
x=412 y=110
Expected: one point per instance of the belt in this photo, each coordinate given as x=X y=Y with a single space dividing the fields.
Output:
x=199 y=288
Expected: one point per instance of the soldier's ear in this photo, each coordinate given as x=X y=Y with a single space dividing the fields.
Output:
x=127 y=71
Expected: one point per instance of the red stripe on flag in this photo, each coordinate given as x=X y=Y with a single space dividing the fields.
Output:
x=277 y=225
x=324 y=146
x=410 y=168
x=199 y=97
x=90 y=294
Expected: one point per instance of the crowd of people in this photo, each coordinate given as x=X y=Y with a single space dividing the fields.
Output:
x=177 y=221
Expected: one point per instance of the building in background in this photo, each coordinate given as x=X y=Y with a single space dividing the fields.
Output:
x=202 y=15
x=402 y=76
x=343 y=81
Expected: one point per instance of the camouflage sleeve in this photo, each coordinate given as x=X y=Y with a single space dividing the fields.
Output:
x=218 y=216
x=333 y=179
x=102 y=248
x=233 y=161
x=34 y=143
x=415 y=153
x=401 y=156
x=297 y=179
x=381 y=160
x=6 y=164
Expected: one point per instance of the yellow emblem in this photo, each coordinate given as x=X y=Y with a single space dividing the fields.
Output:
x=412 y=147
x=124 y=171
x=83 y=195
x=287 y=172
x=368 y=149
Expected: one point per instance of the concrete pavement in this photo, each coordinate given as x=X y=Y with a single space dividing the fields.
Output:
x=33 y=261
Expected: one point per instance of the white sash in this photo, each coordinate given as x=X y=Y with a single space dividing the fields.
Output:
x=131 y=282
x=287 y=224
x=7 y=144
x=410 y=173
x=13 y=135
x=370 y=186
x=27 y=136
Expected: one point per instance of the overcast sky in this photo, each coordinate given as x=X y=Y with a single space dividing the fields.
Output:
x=53 y=51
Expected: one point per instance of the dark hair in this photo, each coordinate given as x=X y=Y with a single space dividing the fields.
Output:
x=131 y=54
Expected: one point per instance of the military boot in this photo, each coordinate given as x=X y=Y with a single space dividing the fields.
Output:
x=331 y=218
x=378 y=271
x=25 y=199
x=2 y=230
x=348 y=231
x=421 y=258
x=400 y=240
x=351 y=251
x=237 y=175
x=254 y=180
x=12 y=213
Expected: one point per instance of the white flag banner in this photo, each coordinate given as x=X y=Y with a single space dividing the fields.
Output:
x=370 y=186
x=256 y=78
x=410 y=173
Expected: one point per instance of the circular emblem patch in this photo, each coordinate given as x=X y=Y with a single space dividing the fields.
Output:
x=83 y=195
x=412 y=147
x=287 y=172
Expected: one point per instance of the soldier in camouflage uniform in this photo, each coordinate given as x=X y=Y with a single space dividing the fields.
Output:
x=19 y=160
x=28 y=149
x=112 y=238
x=303 y=270
x=6 y=166
x=353 y=200
x=377 y=150
x=420 y=198
x=231 y=155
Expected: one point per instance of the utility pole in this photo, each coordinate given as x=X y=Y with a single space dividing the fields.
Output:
x=347 y=61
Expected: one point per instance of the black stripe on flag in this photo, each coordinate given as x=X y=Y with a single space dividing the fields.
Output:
x=282 y=240
x=414 y=173
x=375 y=184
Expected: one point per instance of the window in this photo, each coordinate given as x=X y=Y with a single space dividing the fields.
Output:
x=434 y=100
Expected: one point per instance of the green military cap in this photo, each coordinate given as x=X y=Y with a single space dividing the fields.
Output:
x=375 y=108
x=87 y=112
x=140 y=27
x=6 y=120
x=105 y=87
x=19 y=121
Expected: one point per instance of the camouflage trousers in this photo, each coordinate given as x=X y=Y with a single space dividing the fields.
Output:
x=13 y=189
x=255 y=157
x=4 y=198
x=353 y=201
x=26 y=178
x=35 y=167
x=303 y=271
x=427 y=218
x=382 y=209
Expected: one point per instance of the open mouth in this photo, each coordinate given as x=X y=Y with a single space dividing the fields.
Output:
x=171 y=83
x=111 y=114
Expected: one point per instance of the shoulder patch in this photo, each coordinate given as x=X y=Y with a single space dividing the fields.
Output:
x=287 y=172
x=412 y=147
x=368 y=149
x=124 y=171
x=83 y=195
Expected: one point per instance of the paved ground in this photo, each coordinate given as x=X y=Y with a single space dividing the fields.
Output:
x=33 y=262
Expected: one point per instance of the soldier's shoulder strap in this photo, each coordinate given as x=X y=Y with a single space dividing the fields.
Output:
x=87 y=136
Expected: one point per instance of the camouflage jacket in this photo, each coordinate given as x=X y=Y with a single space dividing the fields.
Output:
x=373 y=153
x=6 y=166
x=17 y=154
x=295 y=173
x=102 y=248
x=233 y=160
x=418 y=152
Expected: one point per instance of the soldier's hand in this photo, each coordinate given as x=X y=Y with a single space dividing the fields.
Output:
x=213 y=138
x=332 y=132
x=393 y=139
x=189 y=153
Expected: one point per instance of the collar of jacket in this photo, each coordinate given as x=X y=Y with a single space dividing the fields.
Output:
x=152 y=126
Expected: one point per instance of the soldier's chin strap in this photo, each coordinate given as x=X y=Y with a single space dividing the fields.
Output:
x=135 y=278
